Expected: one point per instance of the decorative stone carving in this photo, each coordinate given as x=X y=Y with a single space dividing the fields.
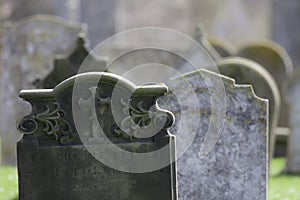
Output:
x=49 y=140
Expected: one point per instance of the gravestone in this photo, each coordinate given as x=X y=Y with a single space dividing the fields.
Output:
x=81 y=153
x=278 y=63
x=248 y=72
x=293 y=150
x=236 y=166
x=27 y=51
x=65 y=67
x=223 y=48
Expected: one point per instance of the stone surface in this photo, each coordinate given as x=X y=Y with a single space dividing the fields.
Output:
x=57 y=161
x=229 y=20
x=248 y=72
x=65 y=67
x=285 y=27
x=224 y=48
x=27 y=51
x=293 y=150
x=278 y=63
x=236 y=167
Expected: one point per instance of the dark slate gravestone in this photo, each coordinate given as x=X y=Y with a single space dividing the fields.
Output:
x=65 y=67
x=58 y=161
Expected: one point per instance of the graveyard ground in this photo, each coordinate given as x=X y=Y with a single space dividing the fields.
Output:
x=282 y=187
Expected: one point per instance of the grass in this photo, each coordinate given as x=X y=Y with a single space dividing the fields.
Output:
x=8 y=183
x=282 y=187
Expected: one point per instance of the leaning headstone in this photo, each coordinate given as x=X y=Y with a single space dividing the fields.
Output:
x=248 y=72
x=60 y=159
x=27 y=51
x=293 y=150
x=236 y=166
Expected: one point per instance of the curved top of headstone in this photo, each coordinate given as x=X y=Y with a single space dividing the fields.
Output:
x=245 y=71
x=55 y=108
x=235 y=168
x=272 y=57
x=225 y=49
x=57 y=33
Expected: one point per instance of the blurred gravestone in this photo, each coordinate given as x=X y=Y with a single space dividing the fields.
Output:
x=222 y=47
x=285 y=27
x=278 y=63
x=293 y=150
x=100 y=17
x=248 y=72
x=27 y=52
x=236 y=166
x=52 y=138
x=19 y=9
x=65 y=67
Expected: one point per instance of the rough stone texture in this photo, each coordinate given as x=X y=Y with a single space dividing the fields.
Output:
x=236 y=167
x=248 y=72
x=27 y=51
x=279 y=64
x=55 y=160
x=293 y=150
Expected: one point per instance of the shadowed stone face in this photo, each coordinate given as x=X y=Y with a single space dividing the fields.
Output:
x=61 y=154
x=293 y=150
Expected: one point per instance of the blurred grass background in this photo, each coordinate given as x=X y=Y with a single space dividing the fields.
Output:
x=282 y=186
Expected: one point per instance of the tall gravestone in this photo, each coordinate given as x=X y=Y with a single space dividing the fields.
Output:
x=27 y=51
x=248 y=72
x=293 y=150
x=236 y=167
x=278 y=63
x=67 y=66
x=62 y=156
x=276 y=60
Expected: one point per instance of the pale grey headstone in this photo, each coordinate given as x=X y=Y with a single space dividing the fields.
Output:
x=245 y=71
x=27 y=51
x=278 y=63
x=236 y=167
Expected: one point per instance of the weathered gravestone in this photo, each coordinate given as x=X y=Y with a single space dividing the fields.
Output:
x=293 y=150
x=248 y=72
x=61 y=155
x=65 y=67
x=27 y=51
x=236 y=166
x=278 y=63
x=222 y=47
